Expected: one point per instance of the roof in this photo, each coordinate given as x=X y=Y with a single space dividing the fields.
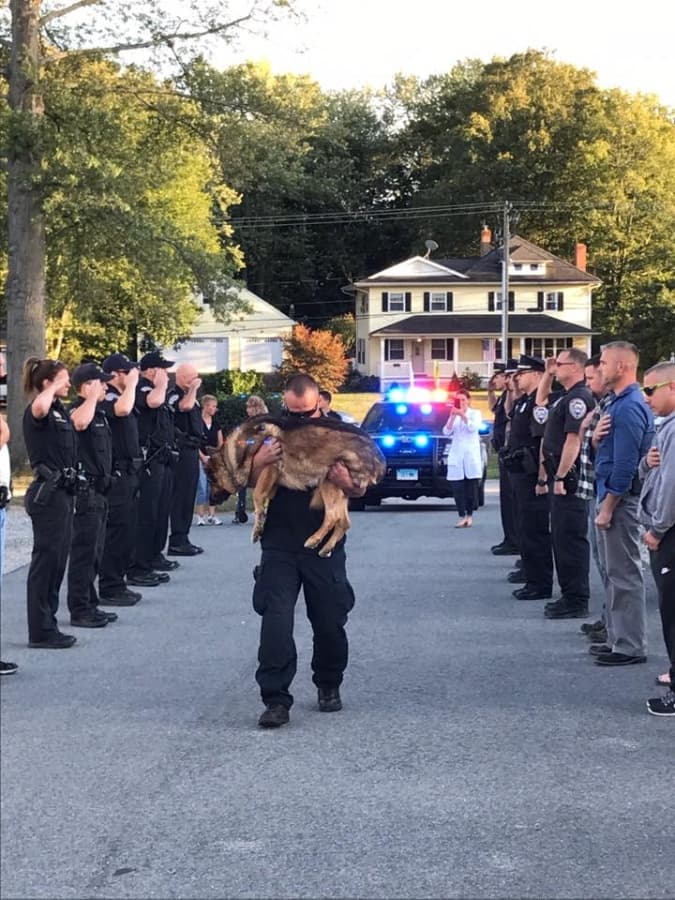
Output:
x=482 y=269
x=484 y=324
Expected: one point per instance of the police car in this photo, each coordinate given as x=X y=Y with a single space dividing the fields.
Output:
x=408 y=428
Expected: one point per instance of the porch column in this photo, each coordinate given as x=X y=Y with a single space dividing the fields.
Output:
x=381 y=372
x=455 y=354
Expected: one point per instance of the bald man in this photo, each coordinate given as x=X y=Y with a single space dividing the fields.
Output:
x=187 y=421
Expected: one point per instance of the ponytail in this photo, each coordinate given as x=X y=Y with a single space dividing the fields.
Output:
x=36 y=371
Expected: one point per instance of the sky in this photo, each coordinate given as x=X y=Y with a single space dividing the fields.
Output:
x=354 y=43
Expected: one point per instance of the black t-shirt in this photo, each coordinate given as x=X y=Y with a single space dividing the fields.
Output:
x=155 y=424
x=567 y=412
x=50 y=441
x=124 y=429
x=94 y=444
x=290 y=521
x=187 y=423
x=525 y=431
x=209 y=434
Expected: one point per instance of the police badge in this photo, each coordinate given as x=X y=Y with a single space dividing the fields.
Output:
x=540 y=414
x=577 y=408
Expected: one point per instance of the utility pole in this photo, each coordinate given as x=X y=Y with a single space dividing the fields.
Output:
x=505 y=280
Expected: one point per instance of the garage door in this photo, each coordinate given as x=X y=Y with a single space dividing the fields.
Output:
x=261 y=354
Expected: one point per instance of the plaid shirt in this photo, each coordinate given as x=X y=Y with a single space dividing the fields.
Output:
x=586 y=489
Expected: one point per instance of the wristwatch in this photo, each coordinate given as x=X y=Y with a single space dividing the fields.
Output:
x=559 y=477
x=541 y=482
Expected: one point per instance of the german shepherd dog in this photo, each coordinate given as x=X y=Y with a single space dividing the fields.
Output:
x=310 y=448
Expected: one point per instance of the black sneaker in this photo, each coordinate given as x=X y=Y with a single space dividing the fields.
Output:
x=56 y=641
x=121 y=598
x=597 y=637
x=274 y=716
x=566 y=612
x=163 y=577
x=504 y=550
x=329 y=700
x=143 y=579
x=162 y=564
x=597 y=649
x=91 y=620
x=662 y=706
x=8 y=668
x=587 y=627
x=106 y=616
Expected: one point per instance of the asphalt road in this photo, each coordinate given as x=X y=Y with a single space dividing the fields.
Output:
x=480 y=753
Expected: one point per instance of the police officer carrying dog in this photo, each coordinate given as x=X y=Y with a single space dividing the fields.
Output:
x=521 y=458
x=122 y=521
x=94 y=455
x=187 y=423
x=52 y=451
x=287 y=565
x=156 y=436
x=559 y=472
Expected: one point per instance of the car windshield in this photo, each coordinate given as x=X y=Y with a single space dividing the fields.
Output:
x=406 y=417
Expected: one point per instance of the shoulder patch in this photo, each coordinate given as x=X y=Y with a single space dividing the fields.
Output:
x=172 y=399
x=540 y=414
x=577 y=408
x=146 y=389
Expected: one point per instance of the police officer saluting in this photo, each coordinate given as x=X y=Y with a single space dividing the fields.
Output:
x=521 y=459
x=122 y=522
x=560 y=474
x=155 y=431
x=94 y=454
x=497 y=396
x=187 y=423
x=50 y=442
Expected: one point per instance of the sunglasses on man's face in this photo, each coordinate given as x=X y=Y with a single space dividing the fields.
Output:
x=305 y=414
x=649 y=391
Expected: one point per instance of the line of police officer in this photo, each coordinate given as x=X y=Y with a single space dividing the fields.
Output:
x=103 y=490
x=537 y=434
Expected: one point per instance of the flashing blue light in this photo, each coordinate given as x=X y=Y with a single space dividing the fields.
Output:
x=388 y=440
x=396 y=395
x=401 y=409
x=485 y=428
x=421 y=440
x=426 y=409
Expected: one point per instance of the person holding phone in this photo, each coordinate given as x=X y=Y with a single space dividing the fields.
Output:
x=464 y=466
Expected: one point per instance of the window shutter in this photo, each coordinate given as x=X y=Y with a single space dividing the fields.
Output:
x=408 y=301
x=491 y=301
x=386 y=351
x=448 y=303
x=560 y=301
x=427 y=301
x=512 y=301
x=450 y=348
x=385 y=301
x=540 y=300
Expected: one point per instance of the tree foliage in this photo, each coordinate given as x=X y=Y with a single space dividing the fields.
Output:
x=318 y=353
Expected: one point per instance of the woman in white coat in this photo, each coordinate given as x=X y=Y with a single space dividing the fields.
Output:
x=465 y=467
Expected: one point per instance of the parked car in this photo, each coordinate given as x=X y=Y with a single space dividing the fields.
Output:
x=410 y=435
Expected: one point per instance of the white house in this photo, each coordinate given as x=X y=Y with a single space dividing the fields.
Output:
x=250 y=341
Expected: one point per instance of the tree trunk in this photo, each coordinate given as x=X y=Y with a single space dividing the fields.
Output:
x=26 y=225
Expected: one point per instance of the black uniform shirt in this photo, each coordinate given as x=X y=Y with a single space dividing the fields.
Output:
x=188 y=423
x=566 y=414
x=124 y=428
x=94 y=443
x=155 y=425
x=50 y=441
x=525 y=431
x=290 y=521
x=500 y=422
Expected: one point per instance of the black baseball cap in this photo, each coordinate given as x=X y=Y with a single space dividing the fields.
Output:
x=118 y=362
x=155 y=360
x=531 y=364
x=88 y=372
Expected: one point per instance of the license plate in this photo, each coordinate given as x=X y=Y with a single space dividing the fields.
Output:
x=407 y=474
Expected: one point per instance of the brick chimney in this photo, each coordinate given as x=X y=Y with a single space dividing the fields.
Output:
x=485 y=240
x=580 y=256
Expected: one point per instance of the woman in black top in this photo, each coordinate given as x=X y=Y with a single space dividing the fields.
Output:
x=212 y=438
x=50 y=442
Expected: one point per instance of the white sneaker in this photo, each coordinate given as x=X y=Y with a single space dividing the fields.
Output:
x=212 y=520
x=200 y=520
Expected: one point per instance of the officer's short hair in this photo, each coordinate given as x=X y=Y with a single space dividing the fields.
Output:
x=624 y=345
x=326 y=395
x=594 y=361
x=300 y=384
x=665 y=367
x=580 y=357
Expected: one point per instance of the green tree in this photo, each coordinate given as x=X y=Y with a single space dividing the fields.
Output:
x=345 y=328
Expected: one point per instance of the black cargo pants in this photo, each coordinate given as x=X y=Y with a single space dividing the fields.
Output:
x=120 y=533
x=86 y=550
x=329 y=598
x=571 y=550
x=534 y=532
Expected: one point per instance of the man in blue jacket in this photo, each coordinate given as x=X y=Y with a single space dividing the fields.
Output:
x=625 y=434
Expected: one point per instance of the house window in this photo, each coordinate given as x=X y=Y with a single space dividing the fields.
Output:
x=438 y=301
x=393 y=349
x=495 y=301
x=534 y=267
x=396 y=301
x=517 y=267
x=442 y=348
x=552 y=301
x=498 y=349
x=361 y=351
x=544 y=347
x=363 y=306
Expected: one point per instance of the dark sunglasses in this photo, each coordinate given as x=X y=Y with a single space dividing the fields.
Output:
x=306 y=414
x=649 y=391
